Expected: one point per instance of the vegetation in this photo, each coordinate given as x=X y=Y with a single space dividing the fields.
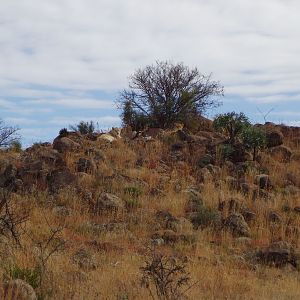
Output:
x=84 y=127
x=254 y=139
x=232 y=124
x=8 y=135
x=160 y=95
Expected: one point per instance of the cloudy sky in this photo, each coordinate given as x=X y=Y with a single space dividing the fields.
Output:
x=62 y=61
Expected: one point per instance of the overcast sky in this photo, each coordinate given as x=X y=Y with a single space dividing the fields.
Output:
x=62 y=61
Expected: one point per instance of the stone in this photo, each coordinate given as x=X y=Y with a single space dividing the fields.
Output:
x=274 y=217
x=274 y=138
x=249 y=215
x=60 y=178
x=237 y=225
x=281 y=153
x=86 y=165
x=65 y=144
x=18 y=289
x=278 y=254
x=108 y=202
x=263 y=181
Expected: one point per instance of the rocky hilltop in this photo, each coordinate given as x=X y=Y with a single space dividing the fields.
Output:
x=80 y=217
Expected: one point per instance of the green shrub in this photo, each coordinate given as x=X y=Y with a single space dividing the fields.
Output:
x=205 y=217
x=31 y=276
x=232 y=124
x=254 y=139
x=16 y=146
x=84 y=127
x=133 y=191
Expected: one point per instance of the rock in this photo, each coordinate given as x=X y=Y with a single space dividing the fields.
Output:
x=106 y=227
x=205 y=160
x=85 y=260
x=8 y=176
x=237 y=224
x=108 y=202
x=297 y=209
x=59 y=179
x=281 y=153
x=18 y=289
x=263 y=181
x=274 y=138
x=278 y=254
x=248 y=215
x=274 y=217
x=65 y=144
x=86 y=165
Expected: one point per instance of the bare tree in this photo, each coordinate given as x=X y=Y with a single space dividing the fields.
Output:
x=165 y=93
x=8 y=135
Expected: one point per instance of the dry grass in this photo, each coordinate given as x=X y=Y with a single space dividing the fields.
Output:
x=215 y=262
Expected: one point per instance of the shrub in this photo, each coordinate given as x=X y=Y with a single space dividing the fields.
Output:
x=232 y=124
x=205 y=217
x=133 y=191
x=165 y=93
x=63 y=132
x=16 y=146
x=84 y=127
x=31 y=276
x=166 y=276
x=254 y=139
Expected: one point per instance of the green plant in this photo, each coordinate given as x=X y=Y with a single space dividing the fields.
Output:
x=31 y=276
x=225 y=151
x=133 y=191
x=63 y=132
x=254 y=139
x=205 y=217
x=16 y=146
x=232 y=124
x=84 y=127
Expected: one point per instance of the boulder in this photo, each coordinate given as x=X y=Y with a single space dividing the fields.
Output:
x=86 y=165
x=109 y=203
x=237 y=225
x=263 y=181
x=278 y=254
x=274 y=138
x=281 y=153
x=65 y=144
x=18 y=289
x=60 y=178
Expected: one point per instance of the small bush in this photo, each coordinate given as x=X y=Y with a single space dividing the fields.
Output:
x=133 y=191
x=31 y=276
x=165 y=276
x=16 y=146
x=205 y=217
x=63 y=132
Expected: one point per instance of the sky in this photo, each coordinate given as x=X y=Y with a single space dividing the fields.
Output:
x=62 y=61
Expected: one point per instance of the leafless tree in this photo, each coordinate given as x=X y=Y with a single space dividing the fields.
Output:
x=8 y=135
x=165 y=93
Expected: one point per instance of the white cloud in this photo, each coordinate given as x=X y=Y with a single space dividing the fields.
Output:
x=95 y=44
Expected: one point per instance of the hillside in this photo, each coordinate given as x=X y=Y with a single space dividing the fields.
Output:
x=80 y=217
